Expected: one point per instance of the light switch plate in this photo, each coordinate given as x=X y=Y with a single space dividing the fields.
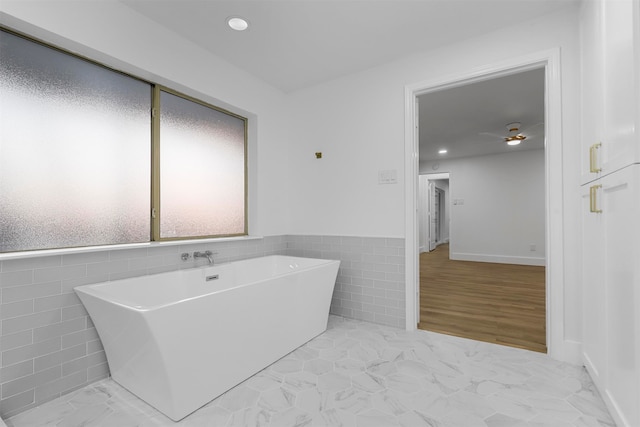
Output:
x=388 y=176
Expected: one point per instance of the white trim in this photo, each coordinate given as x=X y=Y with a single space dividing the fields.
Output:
x=124 y=246
x=440 y=175
x=550 y=60
x=411 y=241
x=500 y=259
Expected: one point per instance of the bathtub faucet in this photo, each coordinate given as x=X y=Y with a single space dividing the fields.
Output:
x=206 y=254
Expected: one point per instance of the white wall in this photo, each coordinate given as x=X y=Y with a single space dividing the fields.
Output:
x=504 y=207
x=358 y=122
x=339 y=194
x=109 y=32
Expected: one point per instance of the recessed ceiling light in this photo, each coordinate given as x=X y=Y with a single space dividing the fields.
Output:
x=443 y=151
x=237 y=23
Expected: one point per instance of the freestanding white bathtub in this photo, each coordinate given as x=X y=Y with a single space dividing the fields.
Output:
x=178 y=340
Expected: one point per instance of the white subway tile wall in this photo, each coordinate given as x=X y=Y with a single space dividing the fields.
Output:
x=49 y=346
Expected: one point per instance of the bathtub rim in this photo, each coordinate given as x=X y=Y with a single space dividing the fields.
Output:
x=93 y=291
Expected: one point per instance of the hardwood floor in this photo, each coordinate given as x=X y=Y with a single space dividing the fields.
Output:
x=498 y=303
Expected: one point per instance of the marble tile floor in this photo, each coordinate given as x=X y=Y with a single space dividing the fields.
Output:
x=365 y=375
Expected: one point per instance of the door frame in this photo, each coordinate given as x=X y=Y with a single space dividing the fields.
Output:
x=428 y=178
x=440 y=214
x=431 y=207
x=554 y=210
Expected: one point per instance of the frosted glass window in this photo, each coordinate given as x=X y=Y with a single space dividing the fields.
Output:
x=202 y=170
x=75 y=149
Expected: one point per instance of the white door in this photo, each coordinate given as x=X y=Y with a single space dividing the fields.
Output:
x=611 y=86
x=593 y=279
x=439 y=214
x=433 y=215
x=620 y=212
x=619 y=143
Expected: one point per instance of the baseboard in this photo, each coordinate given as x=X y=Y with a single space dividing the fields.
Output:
x=614 y=410
x=593 y=373
x=609 y=400
x=499 y=259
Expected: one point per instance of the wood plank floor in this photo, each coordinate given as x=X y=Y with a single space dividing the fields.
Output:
x=498 y=303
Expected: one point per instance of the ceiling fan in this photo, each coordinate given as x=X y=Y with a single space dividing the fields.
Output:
x=514 y=135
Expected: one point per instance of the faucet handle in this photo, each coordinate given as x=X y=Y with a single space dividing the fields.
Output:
x=206 y=254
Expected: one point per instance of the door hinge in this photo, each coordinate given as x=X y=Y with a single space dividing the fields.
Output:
x=153 y=213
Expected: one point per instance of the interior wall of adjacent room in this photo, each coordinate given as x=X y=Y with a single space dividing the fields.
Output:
x=497 y=207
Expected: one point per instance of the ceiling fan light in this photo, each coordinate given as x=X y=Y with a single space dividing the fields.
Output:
x=514 y=141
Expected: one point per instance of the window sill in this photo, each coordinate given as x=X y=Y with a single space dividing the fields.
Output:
x=86 y=249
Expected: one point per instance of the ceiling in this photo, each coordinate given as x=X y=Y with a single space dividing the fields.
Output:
x=471 y=120
x=294 y=44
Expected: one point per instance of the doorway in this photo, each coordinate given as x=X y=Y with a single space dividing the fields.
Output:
x=441 y=211
x=433 y=211
x=439 y=215
x=550 y=62
x=499 y=236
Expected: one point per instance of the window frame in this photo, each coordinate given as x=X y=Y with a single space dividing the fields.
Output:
x=154 y=183
x=156 y=192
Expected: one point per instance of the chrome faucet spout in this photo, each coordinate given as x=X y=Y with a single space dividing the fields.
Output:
x=206 y=254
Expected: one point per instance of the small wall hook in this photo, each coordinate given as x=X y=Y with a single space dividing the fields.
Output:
x=319 y=155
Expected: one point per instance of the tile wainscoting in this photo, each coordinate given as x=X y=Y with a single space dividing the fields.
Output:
x=370 y=284
x=49 y=346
